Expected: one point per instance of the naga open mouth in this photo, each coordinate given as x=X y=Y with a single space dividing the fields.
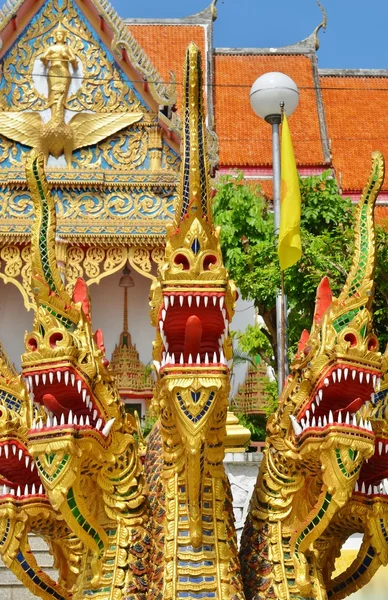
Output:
x=18 y=475
x=68 y=401
x=337 y=399
x=193 y=327
x=373 y=480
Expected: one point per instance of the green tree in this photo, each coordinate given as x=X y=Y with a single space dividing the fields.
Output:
x=247 y=239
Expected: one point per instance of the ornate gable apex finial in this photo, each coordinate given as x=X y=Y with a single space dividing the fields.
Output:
x=320 y=26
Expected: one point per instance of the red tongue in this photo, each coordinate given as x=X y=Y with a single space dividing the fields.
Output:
x=193 y=334
x=351 y=408
x=53 y=405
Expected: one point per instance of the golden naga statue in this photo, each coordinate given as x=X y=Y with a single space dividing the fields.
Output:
x=24 y=506
x=192 y=303
x=320 y=436
x=84 y=450
x=59 y=136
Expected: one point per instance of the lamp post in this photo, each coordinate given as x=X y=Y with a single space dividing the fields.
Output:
x=270 y=94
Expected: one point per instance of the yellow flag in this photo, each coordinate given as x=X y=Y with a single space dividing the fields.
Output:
x=290 y=246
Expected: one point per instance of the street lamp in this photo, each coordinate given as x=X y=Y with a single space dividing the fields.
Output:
x=270 y=94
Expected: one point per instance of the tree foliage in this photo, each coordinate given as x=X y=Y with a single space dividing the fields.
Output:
x=247 y=239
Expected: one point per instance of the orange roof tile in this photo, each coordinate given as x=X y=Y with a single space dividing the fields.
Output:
x=245 y=140
x=381 y=216
x=357 y=124
x=165 y=45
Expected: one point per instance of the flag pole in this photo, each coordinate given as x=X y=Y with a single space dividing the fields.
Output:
x=281 y=302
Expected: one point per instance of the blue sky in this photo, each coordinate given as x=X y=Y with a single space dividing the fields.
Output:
x=356 y=35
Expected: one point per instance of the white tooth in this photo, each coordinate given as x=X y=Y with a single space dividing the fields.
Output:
x=70 y=418
x=51 y=376
x=172 y=300
x=11 y=491
x=326 y=382
x=72 y=379
x=221 y=302
x=334 y=376
x=206 y=359
x=339 y=373
x=307 y=415
x=6 y=450
x=75 y=420
x=380 y=447
x=168 y=361
x=30 y=381
x=367 y=377
x=224 y=315
x=354 y=372
x=163 y=359
x=79 y=386
x=18 y=491
x=346 y=371
x=32 y=467
x=354 y=422
x=369 y=490
x=26 y=490
x=1 y=450
x=363 y=487
x=214 y=300
x=189 y=300
x=98 y=424
x=297 y=428
x=331 y=419
x=33 y=489
x=40 y=491
x=205 y=300
x=163 y=314
x=386 y=448
x=5 y=490
x=378 y=384
x=313 y=422
x=190 y=361
x=347 y=419
x=324 y=420
x=166 y=302
x=173 y=358
x=48 y=422
x=55 y=422
x=307 y=423
x=361 y=376
x=14 y=449
x=181 y=298
x=87 y=421
x=222 y=358
x=83 y=395
x=361 y=424
x=198 y=359
x=320 y=394
x=374 y=380
x=20 y=454
x=157 y=367
x=340 y=417
x=27 y=461
x=66 y=376
x=181 y=360
x=312 y=407
x=36 y=379
x=81 y=421
x=108 y=427
x=161 y=326
x=27 y=384
x=95 y=413
x=62 y=421
x=356 y=487
x=198 y=300
x=59 y=376
x=302 y=423
x=215 y=359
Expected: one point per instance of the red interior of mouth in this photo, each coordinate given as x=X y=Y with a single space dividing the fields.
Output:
x=193 y=330
x=13 y=472
x=376 y=469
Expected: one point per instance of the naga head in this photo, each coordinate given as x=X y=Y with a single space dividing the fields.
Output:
x=319 y=433
x=192 y=304
x=85 y=437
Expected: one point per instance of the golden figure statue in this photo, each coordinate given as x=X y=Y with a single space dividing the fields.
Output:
x=56 y=59
x=56 y=137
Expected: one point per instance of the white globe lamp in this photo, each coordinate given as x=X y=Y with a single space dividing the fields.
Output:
x=271 y=92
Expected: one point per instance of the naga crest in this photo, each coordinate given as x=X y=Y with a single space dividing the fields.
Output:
x=320 y=435
x=84 y=448
x=192 y=303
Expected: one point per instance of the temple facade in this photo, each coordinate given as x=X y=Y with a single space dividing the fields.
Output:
x=99 y=94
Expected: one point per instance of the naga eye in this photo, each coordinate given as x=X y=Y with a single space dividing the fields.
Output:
x=209 y=259
x=55 y=338
x=32 y=344
x=183 y=261
x=351 y=339
x=372 y=344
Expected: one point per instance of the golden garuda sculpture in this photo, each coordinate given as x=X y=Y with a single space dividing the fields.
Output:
x=320 y=436
x=83 y=446
x=59 y=135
